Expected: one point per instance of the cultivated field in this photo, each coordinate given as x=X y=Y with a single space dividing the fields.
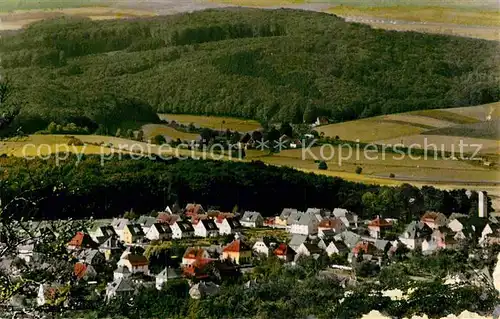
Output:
x=478 y=19
x=14 y=20
x=445 y=127
x=214 y=122
x=435 y=14
x=151 y=130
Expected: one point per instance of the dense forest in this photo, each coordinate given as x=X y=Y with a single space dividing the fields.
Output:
x=269 y=65
x=87 y=188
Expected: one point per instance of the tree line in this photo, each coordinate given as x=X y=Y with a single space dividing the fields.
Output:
x=85 y=188
x=269 y=65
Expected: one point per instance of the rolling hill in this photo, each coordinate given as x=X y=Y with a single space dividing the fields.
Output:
x=267 y=65
x=478 y=125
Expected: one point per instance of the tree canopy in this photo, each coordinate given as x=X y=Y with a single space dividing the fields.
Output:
x=269 y=65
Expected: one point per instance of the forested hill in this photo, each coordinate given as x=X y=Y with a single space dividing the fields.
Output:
x=280 y=65
x=88 y=188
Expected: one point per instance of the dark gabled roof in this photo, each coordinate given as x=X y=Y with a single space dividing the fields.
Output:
x=135 y=229
x=185 y=227
x=162 y=228
x=340 y=245
x=286 y=212
x=233 y=223
x=209 y=224
x=146 y=221
x=137 y=260
x=107 y=231
x=250 y=216
x=312 y=248
x=82 y=240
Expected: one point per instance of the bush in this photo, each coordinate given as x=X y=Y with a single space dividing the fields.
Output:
x=359 y=170
x=322 y=165
x=159 y=140
x=391 y=175
x=75 y=141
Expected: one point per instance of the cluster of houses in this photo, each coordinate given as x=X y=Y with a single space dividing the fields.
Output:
x=318 y=231
x=313 y=232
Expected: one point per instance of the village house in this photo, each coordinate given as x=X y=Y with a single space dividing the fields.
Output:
x=110 y=247
x=434 y=220
x=159 y=232
x=287 y=215
x=135 y=263
x=92 y=257
x=121 y=287
x=442 y=238
x=297 y=240
x=205 y=228
x=336 y=248
x=490 y=234
x=295 y=143
x=320 y=120
x=349 y=219
x=121 y=272
x=306 y=225
x=228 y=226
x=146 y=222
x=194 y=254
x=81 y=241
x=118 y=225
x=102 y=233
x=264 y=246
x=182 y=230
x=330 y=224
x=319 y=213
x=132 y=233
x=165 y=275
x=365 y=248
x=414 y=235
x=308 y=249
x=285 y=253
x=203 y=289
x=238 y=252
x=378 y=227
x=349 y=238
x=193 y=210
x=252 y=219
x=84 y=271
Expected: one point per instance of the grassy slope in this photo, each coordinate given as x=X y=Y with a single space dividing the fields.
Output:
x=411 y=123
x=437 y=14
x=214 y=122
x=10 y=5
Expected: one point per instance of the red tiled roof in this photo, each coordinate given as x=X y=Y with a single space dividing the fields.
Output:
x=194 y=253
x=330 y=223
x=237 y=246
x=82 y=240
x=283 y=250
x=380 y=222
x=430 y=216
x=366 y=247
x=79 y=270
x=269 y=221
